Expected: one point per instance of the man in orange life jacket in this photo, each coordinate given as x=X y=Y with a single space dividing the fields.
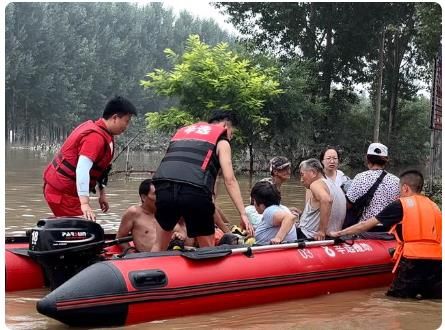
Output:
x=417 y=225
x=84 y=160
x=185 y=180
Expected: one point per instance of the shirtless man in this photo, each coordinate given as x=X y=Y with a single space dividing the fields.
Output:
x=139 y=221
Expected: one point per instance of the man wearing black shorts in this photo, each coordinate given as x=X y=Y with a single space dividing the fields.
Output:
x=416 y=222
x=186 y=176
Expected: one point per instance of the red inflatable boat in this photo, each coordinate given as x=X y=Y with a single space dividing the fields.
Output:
x=142 y=287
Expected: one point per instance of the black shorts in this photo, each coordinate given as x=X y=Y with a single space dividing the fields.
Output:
x=175 y=200
x=417 y=278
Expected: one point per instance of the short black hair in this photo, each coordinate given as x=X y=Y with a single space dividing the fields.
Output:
x=219 y=115
x=414 y=179
x=144 y=187
x=323 y=152
x=264 y=192
x=379 y=160
x=119 y=105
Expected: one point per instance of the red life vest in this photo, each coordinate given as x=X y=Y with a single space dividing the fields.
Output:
x=61 y=172
x=191 y=156
x=421 y=230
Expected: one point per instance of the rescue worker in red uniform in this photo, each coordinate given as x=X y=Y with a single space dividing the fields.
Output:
x=185 y=180
x=416 y=222
x=84 y=161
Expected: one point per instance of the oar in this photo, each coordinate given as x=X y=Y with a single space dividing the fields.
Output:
x=223 y=251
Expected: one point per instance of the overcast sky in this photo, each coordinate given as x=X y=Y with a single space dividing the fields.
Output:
x=199 y=8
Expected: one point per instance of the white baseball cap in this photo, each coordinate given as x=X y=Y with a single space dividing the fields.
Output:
x=378 y=149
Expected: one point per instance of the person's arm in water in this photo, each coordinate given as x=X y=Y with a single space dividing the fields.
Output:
x=285 y=220
x=224 y=153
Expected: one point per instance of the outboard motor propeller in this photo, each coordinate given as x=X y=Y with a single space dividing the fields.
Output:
x=65 y=246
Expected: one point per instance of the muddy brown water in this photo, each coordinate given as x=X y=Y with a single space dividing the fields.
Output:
x=363 y=309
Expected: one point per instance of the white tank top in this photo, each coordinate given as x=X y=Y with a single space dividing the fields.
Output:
x=310 y=219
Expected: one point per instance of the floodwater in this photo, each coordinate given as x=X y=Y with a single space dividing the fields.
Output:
x=363 y=309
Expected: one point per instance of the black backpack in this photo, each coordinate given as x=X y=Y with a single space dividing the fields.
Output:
x=354 y=214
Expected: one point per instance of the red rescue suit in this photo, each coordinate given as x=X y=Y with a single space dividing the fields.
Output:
x=60 y=174
x=191 y=156
x=421 y=230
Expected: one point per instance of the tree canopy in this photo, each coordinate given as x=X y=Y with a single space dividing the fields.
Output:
x=338 y=45
x=65 y=60
x=291 y=76
x=204 y=78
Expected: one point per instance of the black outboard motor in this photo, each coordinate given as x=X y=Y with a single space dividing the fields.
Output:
x=65 y=246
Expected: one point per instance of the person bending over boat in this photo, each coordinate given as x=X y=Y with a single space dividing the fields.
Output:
x=84 y=161
x=416 y=222
x=139 y=221
x=277 y=224
x=330 y=158
x=325 y=207
x=280 y=172
x=185 y=180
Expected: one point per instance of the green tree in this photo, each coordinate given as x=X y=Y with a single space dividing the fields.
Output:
x=412 y=137
x=340 y=42
x=205 y=78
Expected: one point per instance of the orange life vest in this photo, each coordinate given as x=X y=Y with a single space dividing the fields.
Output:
x=61 y=172
x=421 y=230
x=191 y=156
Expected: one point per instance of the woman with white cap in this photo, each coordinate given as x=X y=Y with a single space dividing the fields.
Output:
x=386 y=191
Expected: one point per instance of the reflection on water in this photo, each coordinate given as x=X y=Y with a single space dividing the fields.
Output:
x=364 y=309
